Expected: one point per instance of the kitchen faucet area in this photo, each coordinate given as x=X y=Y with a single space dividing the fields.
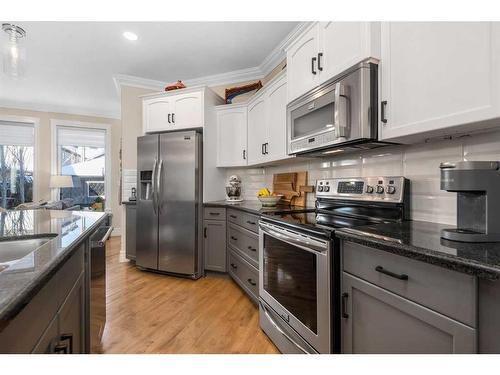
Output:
x=186 y=187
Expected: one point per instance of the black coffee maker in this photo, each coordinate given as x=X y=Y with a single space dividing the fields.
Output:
x=478 y=200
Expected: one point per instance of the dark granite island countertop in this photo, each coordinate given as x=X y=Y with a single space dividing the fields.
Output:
x=422 y=241
x=21 y=279
x=254 y=207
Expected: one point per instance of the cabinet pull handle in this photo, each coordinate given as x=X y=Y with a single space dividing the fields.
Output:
x=265 y=148
x=251 y=248
x=251 y=282
x=345 y=296
x=168 y=118
x=383 y=105
x=244 y=154
x=313 y=60
x=234 y=266
x=214 y=213
x=251 y=222
x=391 y=274
x=61 y=349
x=232 y=216
x=173 y=118
x=234 y=238
x=320 y=55
x=68 y=336
x=205 y=232
x=262 y=149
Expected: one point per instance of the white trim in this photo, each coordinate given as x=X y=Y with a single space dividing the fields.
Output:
x=272 y=60
x=36 y=148
x=54 y=108
x=54 y=123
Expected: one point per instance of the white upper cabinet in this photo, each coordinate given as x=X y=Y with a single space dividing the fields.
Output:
x=175 y=110
x=231 y=135
x=257 y=130
x=327 y=49
x=437 y=79
x=301 y=73
x=276 y=113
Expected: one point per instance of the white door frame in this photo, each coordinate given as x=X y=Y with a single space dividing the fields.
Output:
x=55 y=123
x=36 y=126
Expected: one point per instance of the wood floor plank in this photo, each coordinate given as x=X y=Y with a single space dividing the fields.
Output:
x=154 y=313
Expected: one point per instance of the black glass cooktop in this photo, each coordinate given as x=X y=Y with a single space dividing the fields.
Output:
x=311 y=220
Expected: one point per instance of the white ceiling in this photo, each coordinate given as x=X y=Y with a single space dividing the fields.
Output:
x=70 y=65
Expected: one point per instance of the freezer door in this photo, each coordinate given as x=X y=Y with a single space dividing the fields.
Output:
x=147 y=213
x=179 y=202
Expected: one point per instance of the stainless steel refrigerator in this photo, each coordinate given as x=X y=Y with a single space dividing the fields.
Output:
x=169 y=203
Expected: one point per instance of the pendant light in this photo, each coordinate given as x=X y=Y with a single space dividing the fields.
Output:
x=14 y=51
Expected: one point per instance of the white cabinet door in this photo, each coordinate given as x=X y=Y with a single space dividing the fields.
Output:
x=157 y=113
x=232 y=137
x=257 y=131
x=276 y=120
x=436 y=77
x=188 y=110
x=344 y=44
x=301 y=74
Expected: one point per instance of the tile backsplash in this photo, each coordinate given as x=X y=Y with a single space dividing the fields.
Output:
x=419 y=163
x=129 y=181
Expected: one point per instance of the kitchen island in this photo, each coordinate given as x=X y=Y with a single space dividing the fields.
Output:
x=44 y=268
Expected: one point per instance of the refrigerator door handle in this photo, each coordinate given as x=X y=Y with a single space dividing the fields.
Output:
x=158 y=188
x=153 y=179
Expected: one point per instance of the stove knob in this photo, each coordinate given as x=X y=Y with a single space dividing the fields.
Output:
x=380 y=189
x=320 y=188
x=327 y=189
x=390 y=189
x=369 y=189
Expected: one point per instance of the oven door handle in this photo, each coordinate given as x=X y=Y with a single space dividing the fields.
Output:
x=278 y=328
x=308 y=244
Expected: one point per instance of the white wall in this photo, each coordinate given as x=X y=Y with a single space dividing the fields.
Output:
x=419 y=163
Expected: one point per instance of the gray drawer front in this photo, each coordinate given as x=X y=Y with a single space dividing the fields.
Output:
x=244 y=219
x=244 y=274
x=448 y=292
x=246 y=242
x=214 y=213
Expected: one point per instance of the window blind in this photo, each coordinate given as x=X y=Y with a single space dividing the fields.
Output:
x=17 y=133
x=69 y=136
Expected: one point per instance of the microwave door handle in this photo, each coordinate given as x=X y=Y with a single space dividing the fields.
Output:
x=341 y=111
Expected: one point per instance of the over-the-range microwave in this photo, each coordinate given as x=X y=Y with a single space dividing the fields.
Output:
x=339 y=115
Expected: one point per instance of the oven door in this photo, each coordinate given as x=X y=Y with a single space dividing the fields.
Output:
x=295 y=282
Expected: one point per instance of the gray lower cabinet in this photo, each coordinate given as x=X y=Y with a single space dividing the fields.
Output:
x=130 y=230
x=65 y=334
x=245 y=275
x=214 y=246
x=375 y=320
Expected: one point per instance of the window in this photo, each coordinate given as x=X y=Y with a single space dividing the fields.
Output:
x=17 y=141
x=81 y=154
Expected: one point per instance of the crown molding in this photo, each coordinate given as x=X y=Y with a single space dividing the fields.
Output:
x=54 y=108
x=276 y=56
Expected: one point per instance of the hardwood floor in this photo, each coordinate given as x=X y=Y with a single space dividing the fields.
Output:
x=152 y=313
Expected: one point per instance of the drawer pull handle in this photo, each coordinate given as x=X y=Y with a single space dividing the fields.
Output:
x=391 y=274
x=251 y=222
x=252 y=282
x=215 y=213
x=234 y=266
x=251 y=248
x=232 y=216
x=234 y=238
x=345 y=296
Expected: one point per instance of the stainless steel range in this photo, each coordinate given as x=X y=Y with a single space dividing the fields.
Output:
x=299 y=259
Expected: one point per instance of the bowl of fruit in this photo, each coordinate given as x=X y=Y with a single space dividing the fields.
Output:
x=267 y=198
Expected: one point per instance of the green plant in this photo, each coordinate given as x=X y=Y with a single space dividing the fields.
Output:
x=99 y=200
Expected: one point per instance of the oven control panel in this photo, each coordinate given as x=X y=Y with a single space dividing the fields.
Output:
x=389 y=189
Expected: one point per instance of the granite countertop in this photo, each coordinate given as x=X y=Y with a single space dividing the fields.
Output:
x=254 y=207
x=422 y=241
x=20 y=279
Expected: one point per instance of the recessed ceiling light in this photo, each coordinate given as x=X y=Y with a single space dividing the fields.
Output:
x=130 y=35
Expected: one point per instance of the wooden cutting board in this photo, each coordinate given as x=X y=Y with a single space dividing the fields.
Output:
x=293 y=186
